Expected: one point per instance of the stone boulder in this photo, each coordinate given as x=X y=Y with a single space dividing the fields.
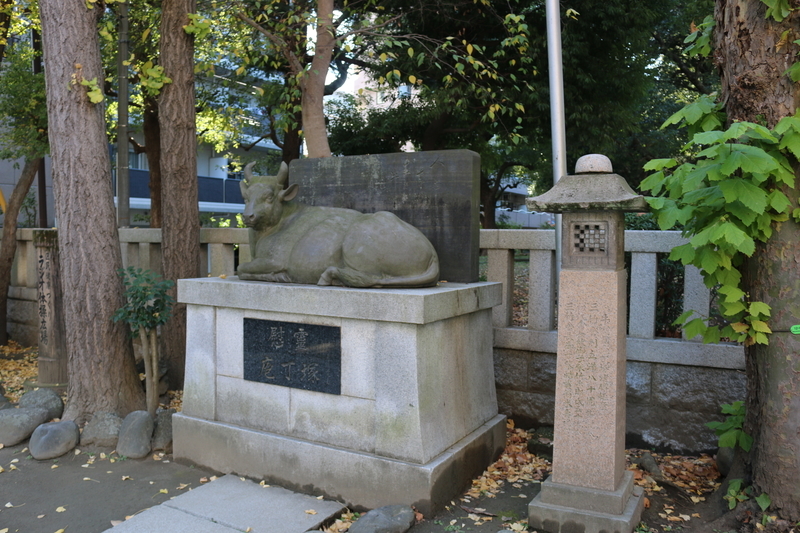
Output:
x=46 y=399
x=54 y=439
x=388 y=519
x=162 y=436
x=135 y=434
x=102 y=430
x=16 y=425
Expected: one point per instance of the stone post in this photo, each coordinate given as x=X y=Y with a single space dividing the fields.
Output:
x=52 y=337
x=590 y=491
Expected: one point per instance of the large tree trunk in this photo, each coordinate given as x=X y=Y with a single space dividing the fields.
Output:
x=313 y=83
x=755 y=88
x=102 y=375
x=181 y=218
x=9 y=247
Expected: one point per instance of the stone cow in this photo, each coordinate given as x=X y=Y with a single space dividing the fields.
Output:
x=296 y=243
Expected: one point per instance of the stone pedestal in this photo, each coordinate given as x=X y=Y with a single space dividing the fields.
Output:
x=411 y=419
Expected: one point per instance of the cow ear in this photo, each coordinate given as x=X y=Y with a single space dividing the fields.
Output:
x=290 y=193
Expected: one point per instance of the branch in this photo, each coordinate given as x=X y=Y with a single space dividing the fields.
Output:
x=279 y=42
x=684 y=69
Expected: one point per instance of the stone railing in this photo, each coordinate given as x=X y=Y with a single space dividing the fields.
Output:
x=541 y=335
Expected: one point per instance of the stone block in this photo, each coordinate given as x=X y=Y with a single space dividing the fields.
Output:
x=229 y=334
x=437 y=192
x=675 y=388
x=588 y=499
x=359 y=344
x=638 y=382
x=662 y=428
x=542 y=373
x=527 y=408
x=511 y=369
x=311 y=413
x=357 y=479
x=255 y=405
x=560 y=519
x=199 y=386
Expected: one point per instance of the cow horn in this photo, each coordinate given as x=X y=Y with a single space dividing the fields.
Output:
x=283 y=174
x=248 y=174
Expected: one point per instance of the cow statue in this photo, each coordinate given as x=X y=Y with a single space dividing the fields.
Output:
x=296 y=243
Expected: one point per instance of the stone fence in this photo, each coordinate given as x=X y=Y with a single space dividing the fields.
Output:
x=674 y=385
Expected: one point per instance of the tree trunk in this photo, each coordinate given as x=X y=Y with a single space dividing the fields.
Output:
x=152 y=149
x=9 y=247
x=756 y=90
x=102 y=375
x=313 y=83
x=181 y=219
x=488 y=204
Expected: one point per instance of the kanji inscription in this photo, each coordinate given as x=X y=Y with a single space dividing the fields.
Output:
x=289 y=354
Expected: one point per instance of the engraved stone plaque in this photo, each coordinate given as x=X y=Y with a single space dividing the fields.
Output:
x=289 y=354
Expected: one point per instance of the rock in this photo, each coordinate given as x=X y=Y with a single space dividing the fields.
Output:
x=724 y=459
x=16 y=425
x=5 y=403
x=102 y=430
x=389 y=519
x=162 y=436
x=648 y=463
x=135 y=434
x=54 y=439
x=46 y=399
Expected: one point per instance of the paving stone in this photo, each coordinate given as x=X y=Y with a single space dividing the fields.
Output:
x=16 y=425
x=388 y=519
x=135 y=434
x=46 y=399
x=54 y=439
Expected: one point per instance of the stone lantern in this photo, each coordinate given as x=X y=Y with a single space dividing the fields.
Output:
x=590 y=490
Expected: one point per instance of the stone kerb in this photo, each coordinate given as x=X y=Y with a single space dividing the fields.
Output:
x=417 y=389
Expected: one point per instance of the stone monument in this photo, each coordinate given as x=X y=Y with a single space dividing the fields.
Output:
x=52 y=332
x=372 y=396
x=590 y=490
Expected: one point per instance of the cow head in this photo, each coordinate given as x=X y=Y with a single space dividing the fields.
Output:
x=264 y=197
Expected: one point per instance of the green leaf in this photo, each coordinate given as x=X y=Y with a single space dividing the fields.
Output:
x=748 y=158
x=684 y=253
x=694 y=328
x=737 y=189
x=660 y=164
x=729 y=438
x=759 y=309
x=763 y=501
x=778 y=201
x=745 y=441
x=732 y=294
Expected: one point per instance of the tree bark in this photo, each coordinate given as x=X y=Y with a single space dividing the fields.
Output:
x=313 y=83
x=102 y=375
x=755 y=89
x=9 y=247
x=181 y=218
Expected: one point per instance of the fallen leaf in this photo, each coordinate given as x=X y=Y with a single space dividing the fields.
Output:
x=53 y=466
x=685 y=517
x=320 y=497
x=310 y=511
x=40 y=516
x=202 y=480
x=164 y=491
x=182 y=486
x=62 y=530
x=4 y=530
x=126 y=478
x=60 y=509
x=223 y=276
x=115 y=523
x=90 y=479
x=12 y=467
x=9 y=505
x=14 y=460
x=77 y=451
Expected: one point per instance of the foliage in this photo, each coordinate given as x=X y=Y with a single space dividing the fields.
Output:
x=23 y=107
x=28 y=209
x=730 y=431
x=148 y=304
x=725 y=191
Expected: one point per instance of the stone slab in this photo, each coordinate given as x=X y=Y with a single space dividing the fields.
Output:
x=589 y=432
x=231 y=504
x=416 y=306
x=244 y=504
x=438 y=192
x=359 y=480
x=588 y=499
x=559 y=519
x=161 y=519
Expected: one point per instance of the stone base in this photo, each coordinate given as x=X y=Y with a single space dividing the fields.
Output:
x=561 y=508
x=358 y=479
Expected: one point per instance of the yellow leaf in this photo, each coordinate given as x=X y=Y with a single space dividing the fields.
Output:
x=126 y=478
x=412 y=79
x=60 y=509
x=469 y=49
x=62 y=530
x=4 y=530
x=53 y=466
x=164 y=491
x=310 y=511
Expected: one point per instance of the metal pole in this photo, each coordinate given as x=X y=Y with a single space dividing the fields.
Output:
x=123 y=179
x=559 y=143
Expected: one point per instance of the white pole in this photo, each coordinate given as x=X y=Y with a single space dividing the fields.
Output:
x=559 y=143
